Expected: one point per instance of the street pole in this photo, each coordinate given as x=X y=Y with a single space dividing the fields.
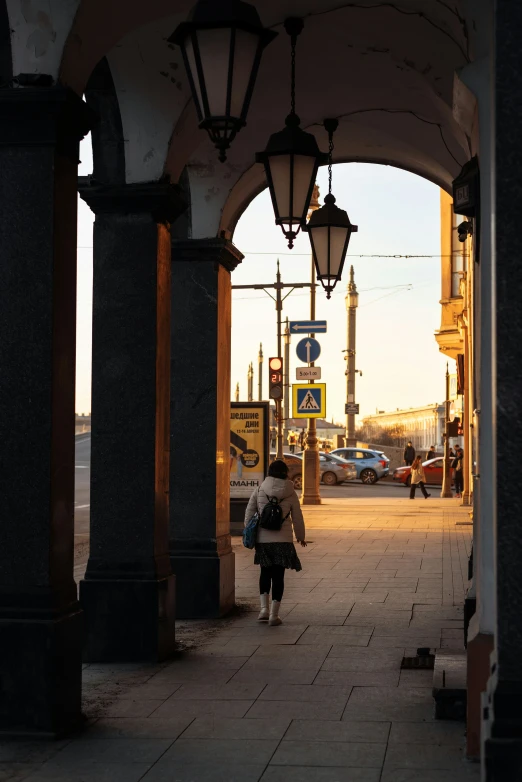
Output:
x=446 y=476
x=260 y=373
x=352 y=302
x=311 y=495
x=286 y=379
x=279 y=299
x=279 y=402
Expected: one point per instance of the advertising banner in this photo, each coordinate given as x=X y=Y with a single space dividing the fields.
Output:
x=248 y=447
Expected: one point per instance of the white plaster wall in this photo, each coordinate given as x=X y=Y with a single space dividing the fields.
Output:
x=39 y=31
x=152 y=91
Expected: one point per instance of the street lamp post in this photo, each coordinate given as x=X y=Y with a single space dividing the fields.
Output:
x=250 y=384
x=352 y=302
x=311 y=495
x=446 y=475
x=278 y=286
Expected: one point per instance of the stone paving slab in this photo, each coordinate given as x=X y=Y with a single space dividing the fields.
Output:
x=322 y=698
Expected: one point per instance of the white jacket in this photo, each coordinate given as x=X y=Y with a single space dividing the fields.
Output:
x=418 y=475
x=285 y=493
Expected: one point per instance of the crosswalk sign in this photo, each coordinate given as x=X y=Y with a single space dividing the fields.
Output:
x=309 y=401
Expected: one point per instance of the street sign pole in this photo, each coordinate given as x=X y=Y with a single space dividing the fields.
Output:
x=286 y=381
x=279 y=402
x=311 y=495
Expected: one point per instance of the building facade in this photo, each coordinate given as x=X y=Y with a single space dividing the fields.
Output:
x=455 y=336
x=424 y=426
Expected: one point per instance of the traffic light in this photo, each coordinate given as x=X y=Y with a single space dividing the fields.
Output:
x=275 y=375
x=453 y=427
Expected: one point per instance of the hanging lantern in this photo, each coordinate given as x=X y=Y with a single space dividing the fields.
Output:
x=329 y=229
x=291 y=160
x=222 y=43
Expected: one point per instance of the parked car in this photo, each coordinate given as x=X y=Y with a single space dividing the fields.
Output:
x=326 y=463
x=295 y=467
x=331 y=470
x=371 y=465
x=433 y=469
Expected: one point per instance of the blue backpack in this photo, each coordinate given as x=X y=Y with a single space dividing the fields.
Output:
x=250 y=531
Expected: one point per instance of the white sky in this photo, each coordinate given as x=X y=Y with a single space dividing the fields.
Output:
x=397 y=214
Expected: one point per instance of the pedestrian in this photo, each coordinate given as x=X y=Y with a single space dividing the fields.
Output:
x=409 y=454
x=302 y=439
x=275 y=550
x=273 y=436
x=458 y=466
x=292 y=441
x=431 y=454
x=418 y=478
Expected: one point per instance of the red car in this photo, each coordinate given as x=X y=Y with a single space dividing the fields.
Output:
x=433 y=469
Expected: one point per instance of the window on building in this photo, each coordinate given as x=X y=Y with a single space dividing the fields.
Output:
x=458 y=258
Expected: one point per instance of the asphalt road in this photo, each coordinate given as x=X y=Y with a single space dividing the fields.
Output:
x=384 y=488
x=82 y=487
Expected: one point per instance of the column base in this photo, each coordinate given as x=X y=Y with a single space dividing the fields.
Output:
x=502 y=728
x=479 y=648
x=206 y=587
x=41 y=675
x=128 y=621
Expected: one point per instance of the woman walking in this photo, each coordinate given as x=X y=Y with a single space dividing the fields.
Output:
x=275 y=550
x=418 y=478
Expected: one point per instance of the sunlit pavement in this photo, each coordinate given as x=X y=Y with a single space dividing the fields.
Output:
x=321 y=698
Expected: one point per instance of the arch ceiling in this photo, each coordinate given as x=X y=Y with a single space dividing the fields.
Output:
x=386 y=69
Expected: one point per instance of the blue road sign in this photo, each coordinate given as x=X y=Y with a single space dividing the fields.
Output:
x=307 y=327
x=308 y=349
x=309 y=400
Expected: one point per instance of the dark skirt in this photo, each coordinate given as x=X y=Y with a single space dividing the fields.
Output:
x=284 y=554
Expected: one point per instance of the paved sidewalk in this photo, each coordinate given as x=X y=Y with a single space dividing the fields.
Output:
x=321 y=698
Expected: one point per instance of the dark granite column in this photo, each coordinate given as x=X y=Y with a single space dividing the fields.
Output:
x=503 y=746
x=40 y=618
x=128 y=590
x=201 y=553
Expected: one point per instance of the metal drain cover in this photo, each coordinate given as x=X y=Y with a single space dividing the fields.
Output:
x=423 y=661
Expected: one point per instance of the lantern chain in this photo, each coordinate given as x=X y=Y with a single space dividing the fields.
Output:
x=292 y=75
x=330 y=155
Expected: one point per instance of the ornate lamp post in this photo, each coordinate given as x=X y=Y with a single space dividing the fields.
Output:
x=222 y=43
x=291 y=160
x=352 y=302
x=329 y=229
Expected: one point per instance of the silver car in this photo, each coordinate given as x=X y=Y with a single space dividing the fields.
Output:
x=333 y=469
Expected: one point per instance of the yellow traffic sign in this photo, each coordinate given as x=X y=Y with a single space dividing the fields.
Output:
x=309 y=401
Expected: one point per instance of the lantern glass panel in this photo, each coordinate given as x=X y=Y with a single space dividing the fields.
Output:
x=247 y=46
x=328 y=246
x=319 y=238
x=291 y=210
x=214 y=54
x=337 y=249
x=218 y=49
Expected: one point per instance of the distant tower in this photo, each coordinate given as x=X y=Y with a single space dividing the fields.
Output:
x=260 y=372
x=237 y=392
